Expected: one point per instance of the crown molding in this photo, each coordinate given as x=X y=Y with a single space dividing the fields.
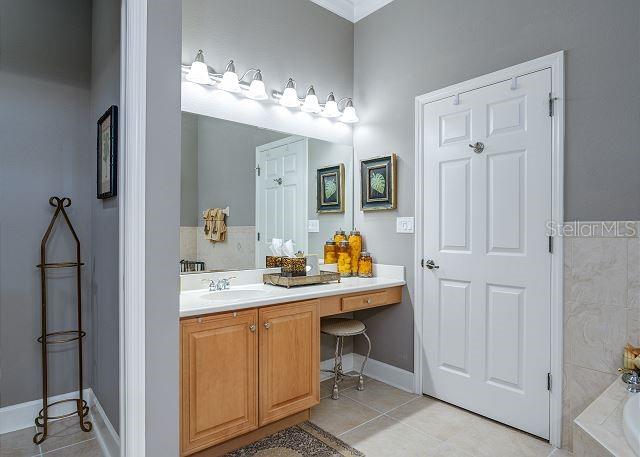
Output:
x=352 y=10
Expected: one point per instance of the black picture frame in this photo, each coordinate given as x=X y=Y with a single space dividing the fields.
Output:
x=107 y=154
x=378 y=184
x=333 y=201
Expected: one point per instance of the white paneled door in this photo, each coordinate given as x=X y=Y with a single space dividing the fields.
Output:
x=281 y=194
x=487 y=275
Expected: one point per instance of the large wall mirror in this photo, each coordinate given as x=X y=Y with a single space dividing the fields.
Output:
x=274 y=184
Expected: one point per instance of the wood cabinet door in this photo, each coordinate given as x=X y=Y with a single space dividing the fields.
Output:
x=219 y=379
x=289 y=359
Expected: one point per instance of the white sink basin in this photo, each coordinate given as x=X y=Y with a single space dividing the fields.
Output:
x=631 y=422
x=231 y=295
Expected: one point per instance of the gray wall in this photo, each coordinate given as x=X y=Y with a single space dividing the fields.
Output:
x=434 y=44
x=105 y=91
x=226 y=167
x=162 y=240
x=189 y=171
x=284 y=38
x=45 y=68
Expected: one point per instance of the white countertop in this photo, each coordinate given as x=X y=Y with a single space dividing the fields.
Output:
x=197 y=302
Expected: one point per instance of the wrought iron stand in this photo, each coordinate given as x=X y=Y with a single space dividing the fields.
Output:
x=62 y=337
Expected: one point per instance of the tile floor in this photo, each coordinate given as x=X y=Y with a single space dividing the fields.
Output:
x=385 y=421
x=65 y=439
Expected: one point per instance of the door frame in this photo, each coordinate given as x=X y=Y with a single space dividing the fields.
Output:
x=554 y=62
x=131 y=211
x=275 y=144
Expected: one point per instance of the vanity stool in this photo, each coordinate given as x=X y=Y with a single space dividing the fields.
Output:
x=341 y=328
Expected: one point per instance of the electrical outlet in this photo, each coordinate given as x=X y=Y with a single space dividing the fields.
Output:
x=404 y=225
x=313 y=226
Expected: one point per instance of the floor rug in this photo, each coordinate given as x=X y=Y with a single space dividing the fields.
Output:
x=302 y=440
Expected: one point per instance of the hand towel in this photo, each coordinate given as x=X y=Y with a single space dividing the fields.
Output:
x=215 y=230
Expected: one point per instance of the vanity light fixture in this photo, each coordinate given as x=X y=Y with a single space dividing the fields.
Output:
x=349 y=113
x=311 y=104
x=289 y=97
x=330 y=107
x=230 y=81
x=256 y=89
x=199 y=71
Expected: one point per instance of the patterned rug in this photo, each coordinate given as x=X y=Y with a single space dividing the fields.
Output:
x=302 y=440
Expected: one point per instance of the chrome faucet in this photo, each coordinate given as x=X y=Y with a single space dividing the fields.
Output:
x=220 y=284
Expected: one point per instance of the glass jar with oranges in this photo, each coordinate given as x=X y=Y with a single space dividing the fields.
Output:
x=355 y=247
x=365 y=265
x=344 y=258
x=330 y=252
x=339 y=236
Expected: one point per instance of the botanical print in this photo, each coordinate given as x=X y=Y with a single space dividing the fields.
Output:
x=330 y=189
x=378 y=183
x=105 y=156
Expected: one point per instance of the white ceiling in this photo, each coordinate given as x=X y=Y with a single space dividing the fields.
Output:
x=354 y=10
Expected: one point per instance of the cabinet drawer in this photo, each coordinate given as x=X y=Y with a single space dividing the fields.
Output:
x=364 y=301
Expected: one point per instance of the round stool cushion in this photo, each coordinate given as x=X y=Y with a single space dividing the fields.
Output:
x=342 y=327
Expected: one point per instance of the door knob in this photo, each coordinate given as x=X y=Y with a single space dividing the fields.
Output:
x=267 y=325
x=252 y=327
x=478 y=147
x=278 y=180
x=431 y=265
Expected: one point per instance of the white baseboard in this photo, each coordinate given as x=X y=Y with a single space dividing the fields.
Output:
x=108 y=439
x=380 y=371
x=22 y=415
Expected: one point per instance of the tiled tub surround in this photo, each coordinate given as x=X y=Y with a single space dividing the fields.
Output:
x=601 y=312
x=598 y=431
x=238 y=251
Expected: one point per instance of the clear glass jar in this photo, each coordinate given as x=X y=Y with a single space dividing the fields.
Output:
x=355 y=247
x=365 y=265
x=330 y=252
x=344 y=259
x=339 y=236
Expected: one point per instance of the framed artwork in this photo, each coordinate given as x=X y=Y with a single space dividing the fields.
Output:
x=108 y=154
x=378 y=186
x=330 y=189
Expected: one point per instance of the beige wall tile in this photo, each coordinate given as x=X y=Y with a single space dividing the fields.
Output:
x=584 y=386
x=633 y=299
x=596 y=335
x=599 y=271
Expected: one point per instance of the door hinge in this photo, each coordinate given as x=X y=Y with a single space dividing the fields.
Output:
x=549 y=382
x=422 y=263
x=258 y=236
x=258 y=170
x=551 y=104
x=550 y=244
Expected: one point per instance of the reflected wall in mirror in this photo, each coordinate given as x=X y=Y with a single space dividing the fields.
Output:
x=269 y=182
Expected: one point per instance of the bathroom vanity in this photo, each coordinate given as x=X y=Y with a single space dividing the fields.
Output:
x=250 y=354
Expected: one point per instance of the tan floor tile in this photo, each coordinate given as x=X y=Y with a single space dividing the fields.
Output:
x=338 y=416
x=90 y=448
x=385 y=437
x=65 y=432
x=380 y=396
x=560 y=453
x=486 y=438
x=434 y=417
x=326 y=386
x=19 y=443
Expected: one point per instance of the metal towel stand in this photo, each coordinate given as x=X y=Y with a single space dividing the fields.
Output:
x=61 y=337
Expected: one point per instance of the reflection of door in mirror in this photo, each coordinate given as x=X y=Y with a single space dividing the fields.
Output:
x=281 y=194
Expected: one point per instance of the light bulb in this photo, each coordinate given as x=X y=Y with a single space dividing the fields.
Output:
x=311 y=104
x=199 y=72
x=230 y=81
x=256 y=89
x=330 y=107
x=349 y=114
x=289 y=97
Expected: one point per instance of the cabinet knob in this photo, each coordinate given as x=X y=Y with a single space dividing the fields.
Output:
x=267 y=325
x=368 y=301
x=252 y=327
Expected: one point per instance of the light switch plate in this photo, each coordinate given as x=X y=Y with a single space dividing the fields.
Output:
x=404 y=225
x=313 y=226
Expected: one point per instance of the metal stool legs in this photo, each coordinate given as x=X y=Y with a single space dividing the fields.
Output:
x=339 y=374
